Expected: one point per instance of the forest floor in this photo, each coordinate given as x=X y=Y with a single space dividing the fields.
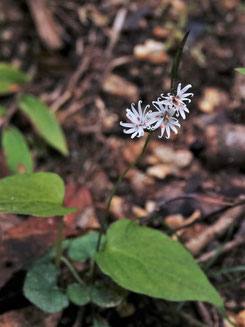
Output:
x=89 y=60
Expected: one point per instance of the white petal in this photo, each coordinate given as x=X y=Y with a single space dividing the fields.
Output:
x=168 y=132
x=179 y=88
x=140 y=108
x=185 y=89
x=188 y=94
x=159 y=123
x=174 y=129
x=162 y=132
x=129 y=131
x=133 y=135
x=182 y=112
x=126 y=124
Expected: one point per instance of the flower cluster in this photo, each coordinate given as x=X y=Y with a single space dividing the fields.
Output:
x=168 y=108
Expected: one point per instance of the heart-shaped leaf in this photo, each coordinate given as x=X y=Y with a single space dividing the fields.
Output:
x=84 y=247
x=107 y=295
x=104 y=294
x=100 y=322
x=16 y=150
x=147 y=261
x=78 y=294
x=44 y=121
x=11 y=78
x=41 y=288
x=37 y=194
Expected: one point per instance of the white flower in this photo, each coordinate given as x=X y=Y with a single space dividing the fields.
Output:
x=140 y=120
x=177 y=101
x=164 y=118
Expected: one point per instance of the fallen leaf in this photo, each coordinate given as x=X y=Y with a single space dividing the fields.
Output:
x=152 y=51
x=211 y=99
x=240 y=319
x=30 y=316
x=117 y=208
x=80 y=197
x=117 y=85
x=160 y=171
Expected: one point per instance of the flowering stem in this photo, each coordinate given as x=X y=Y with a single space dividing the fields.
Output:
x=59 y=241
x=176 y=62
x=114 y=190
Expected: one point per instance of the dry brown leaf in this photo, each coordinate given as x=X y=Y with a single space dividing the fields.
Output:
x=117 y=208
x=117 y=85
x=152 y=51
x=211 y=99
x=138 y=212
x=30 y=316
x=139 y=180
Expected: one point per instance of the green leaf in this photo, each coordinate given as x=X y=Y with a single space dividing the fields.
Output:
x=100 y=322
x=37 y=194
x=45 y=122
x=41 y=288
x=107 y=295
x=84 y=247
x=147 y=261
x=78 y=294
x=11 y=78
x=16 y=150
x=240 y=70
x=3 y=111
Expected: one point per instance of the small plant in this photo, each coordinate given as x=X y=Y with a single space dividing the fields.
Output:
x=135 y=257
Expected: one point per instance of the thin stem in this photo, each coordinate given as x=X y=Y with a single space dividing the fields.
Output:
x=59 y=241
x=114 y=190
x=72 y=270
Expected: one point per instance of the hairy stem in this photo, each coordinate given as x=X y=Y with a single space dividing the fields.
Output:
x=59 y=241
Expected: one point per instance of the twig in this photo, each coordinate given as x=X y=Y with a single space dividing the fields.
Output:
x=48 y=28
x=195 y=245
x=227 y=247
x=116 y=30
x=204 y=313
